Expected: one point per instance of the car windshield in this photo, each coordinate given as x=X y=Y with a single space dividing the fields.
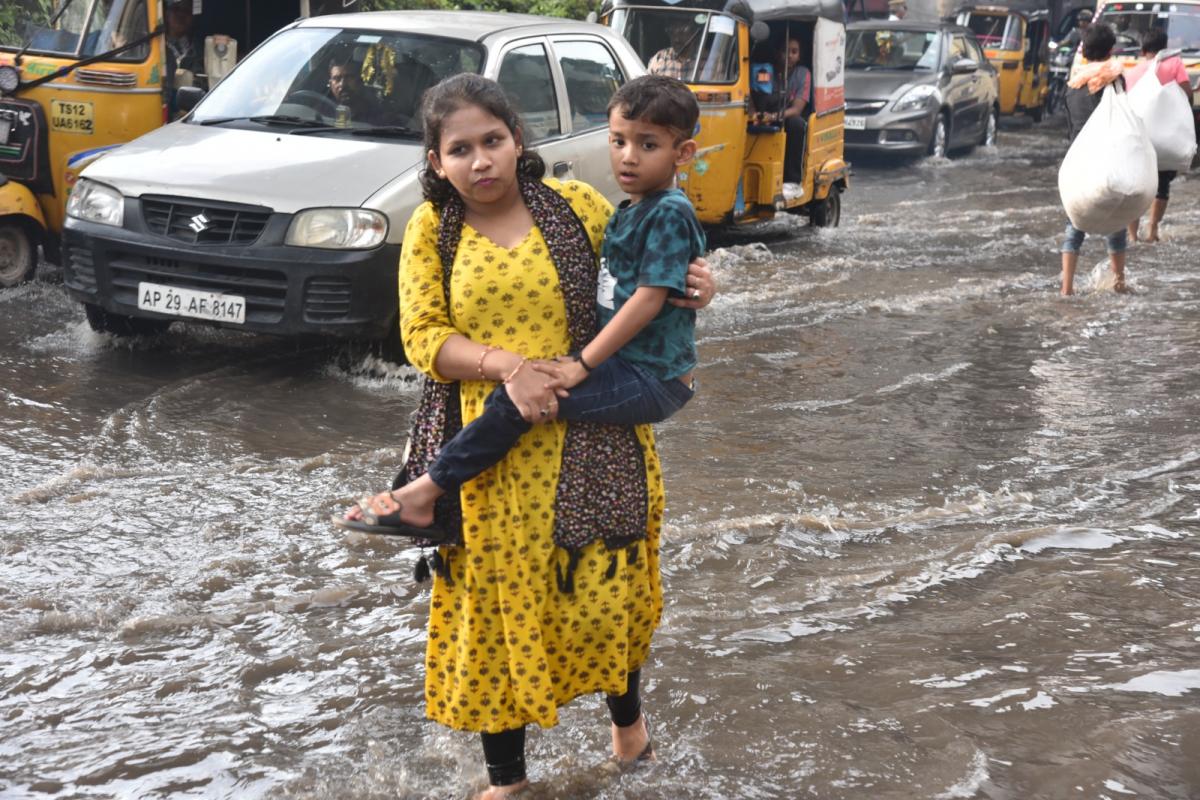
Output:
x=1131 y=20
x=329 y=80
x=881 y=48
x=694 y=46
x=83 y=28
x=994 y=32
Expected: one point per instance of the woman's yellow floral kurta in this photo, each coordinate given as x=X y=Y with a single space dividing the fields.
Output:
x=506 y=647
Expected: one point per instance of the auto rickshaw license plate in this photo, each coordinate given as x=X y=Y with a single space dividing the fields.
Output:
x=71 y=117
x=190 y=303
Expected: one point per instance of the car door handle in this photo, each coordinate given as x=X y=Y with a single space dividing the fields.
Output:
x=562 y=169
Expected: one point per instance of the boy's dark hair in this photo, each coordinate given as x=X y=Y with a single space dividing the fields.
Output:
x=658 y=100
x=1154 y=40
x=454 y=94
x=1098 y=41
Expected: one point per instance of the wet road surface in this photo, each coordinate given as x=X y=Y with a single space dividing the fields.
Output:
x=932 y=533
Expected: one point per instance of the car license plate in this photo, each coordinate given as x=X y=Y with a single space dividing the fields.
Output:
x=856 y=123
x=72 y=117
x=189 y=303
x=5 y=130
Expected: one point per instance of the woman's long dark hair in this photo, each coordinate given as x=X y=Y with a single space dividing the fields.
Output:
x=454 y=94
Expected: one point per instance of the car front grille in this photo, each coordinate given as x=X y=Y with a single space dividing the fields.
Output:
x=265 y=290
x=864 y=107
x=80 y=269
x=326 y=298
x=204 y=222
x=862 y=137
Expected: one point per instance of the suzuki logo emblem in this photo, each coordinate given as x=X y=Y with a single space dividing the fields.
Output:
x=199 y=223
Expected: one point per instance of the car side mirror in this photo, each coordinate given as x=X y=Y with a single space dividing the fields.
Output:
x=964 y=66
x=760 y=32
x=187 y=97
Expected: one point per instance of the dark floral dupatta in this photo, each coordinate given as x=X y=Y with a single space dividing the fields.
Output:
x=602 y=481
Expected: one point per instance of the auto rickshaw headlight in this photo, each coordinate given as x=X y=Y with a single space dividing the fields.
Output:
x=10 y=79
x=96 y=202
x=338 y=228
x=916 y=97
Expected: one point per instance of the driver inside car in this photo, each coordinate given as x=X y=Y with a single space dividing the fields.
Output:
x=346 y=89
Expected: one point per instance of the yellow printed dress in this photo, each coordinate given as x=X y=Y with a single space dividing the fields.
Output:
x=506 y=647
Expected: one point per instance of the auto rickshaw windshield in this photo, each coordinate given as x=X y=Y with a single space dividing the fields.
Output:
x=891 y=49
x=1180 y=21
x=79 y=28
x=334 y=77
x=694 y=46
x=995 y=31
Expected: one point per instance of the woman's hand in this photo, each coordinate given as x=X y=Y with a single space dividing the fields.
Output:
x=529 y=393
x=701 y=286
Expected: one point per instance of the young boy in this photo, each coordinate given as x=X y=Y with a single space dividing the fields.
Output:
x=1090 y=74
x=638 y=368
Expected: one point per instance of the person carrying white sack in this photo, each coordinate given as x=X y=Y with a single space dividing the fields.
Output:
x=1168 y=70
x=1090 y=74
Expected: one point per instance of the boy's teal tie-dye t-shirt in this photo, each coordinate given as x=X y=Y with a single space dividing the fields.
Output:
x=651 y=243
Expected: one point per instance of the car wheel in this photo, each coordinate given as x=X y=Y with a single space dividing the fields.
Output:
x=940 y=139
x=18 y=254
x=103 y=321
x=828 y=212
x=988 y=139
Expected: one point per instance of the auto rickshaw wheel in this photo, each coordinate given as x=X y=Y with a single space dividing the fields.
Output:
x=102 y=321
x=18 y=254
x=828 y=212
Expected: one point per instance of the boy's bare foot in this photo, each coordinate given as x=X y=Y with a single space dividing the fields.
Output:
x=1066 y=291
x=1152 y=236
x=414 y=501
x=1119 y=286
x=632 y=743
x=494 y=792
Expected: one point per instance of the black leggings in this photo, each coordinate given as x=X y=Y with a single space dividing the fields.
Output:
x=505 y=751
x=1164 y=184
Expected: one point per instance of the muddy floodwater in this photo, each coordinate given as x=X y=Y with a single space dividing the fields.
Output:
x=933 y=532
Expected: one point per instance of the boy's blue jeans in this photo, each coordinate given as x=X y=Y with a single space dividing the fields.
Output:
x=614 y=393
x=1116 y=241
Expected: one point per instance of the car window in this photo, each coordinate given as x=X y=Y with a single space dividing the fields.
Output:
x=976 y=53
x=592 y=76
x=958 y=49
x=526 y=77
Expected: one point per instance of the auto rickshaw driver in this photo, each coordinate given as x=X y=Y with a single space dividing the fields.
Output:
x=675 y=61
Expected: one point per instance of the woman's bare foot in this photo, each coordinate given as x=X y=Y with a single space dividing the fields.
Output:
x=632 y=743
x=494 y=792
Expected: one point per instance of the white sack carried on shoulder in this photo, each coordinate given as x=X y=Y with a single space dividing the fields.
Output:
x=1110 y=174
x=1168 y=117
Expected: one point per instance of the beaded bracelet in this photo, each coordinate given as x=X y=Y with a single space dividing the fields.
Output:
x=482 y=356
x=516 y=369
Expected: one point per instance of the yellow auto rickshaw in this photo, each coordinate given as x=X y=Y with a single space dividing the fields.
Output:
x=731 y=53
x=97 y=74
x=1016 y=40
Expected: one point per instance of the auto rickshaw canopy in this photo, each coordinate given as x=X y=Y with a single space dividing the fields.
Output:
x=749 y=11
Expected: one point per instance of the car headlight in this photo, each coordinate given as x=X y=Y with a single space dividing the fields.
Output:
x=916 y=97
x=338 y=228
x=96 y=202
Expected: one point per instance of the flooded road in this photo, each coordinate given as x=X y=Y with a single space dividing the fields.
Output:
x=932 y=533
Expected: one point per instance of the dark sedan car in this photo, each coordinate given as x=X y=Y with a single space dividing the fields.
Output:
x=915 y=87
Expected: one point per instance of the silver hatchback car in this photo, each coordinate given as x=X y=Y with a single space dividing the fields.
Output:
x=279 y=202
x=914 y=88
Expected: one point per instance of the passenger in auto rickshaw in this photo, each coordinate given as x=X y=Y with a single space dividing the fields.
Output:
x=798 y=94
